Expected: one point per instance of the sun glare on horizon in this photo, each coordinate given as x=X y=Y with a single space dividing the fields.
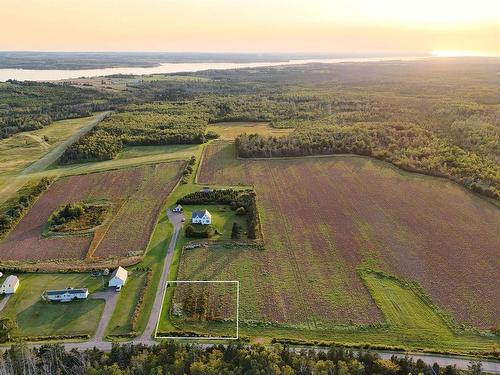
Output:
x=459 y=53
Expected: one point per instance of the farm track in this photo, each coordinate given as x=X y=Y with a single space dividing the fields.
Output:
x=16 y=182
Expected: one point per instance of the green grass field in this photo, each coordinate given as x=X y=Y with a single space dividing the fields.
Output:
x=230 y=130
x=222 y=219
x=22 y=149
x=34 y=317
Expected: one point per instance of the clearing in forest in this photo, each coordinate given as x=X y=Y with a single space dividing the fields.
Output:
x=231 y=130
x=323 y=218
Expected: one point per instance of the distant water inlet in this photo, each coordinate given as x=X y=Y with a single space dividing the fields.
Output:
x=58 y=74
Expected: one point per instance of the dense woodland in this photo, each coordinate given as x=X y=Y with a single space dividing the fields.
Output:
x=28 y=106
x=175 y=358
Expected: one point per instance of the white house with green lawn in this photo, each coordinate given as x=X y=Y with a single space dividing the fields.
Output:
x=201 y=217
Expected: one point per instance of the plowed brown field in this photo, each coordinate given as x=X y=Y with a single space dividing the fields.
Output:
x=324 y=217
x=137 y=195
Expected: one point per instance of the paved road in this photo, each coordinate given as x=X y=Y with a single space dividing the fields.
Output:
x=111 y=298
x=176 y=220
x=16 y=182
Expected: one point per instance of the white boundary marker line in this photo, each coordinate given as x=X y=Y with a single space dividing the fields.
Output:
x=201 y=337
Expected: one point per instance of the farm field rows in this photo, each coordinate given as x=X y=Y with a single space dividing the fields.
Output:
x=318 y=233
x=136 y=195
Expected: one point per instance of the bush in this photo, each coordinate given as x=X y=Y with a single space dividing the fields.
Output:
x=207 y=231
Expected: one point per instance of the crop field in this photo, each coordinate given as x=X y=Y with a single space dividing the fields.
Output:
x=323 y=218
x=230 y=130
x=136 y=194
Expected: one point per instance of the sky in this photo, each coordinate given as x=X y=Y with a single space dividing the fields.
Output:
x=338 y=26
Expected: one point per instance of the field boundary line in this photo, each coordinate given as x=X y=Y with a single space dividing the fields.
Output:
x=201 y=337
x=202 y=158
x=164 y=206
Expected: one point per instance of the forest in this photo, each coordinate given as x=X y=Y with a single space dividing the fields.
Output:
x=140 y=125
x=177 y=358
x=26 y=105
x=439 y=116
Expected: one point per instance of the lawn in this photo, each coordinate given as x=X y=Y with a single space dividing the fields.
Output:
x=35 y=317
x=180 y=152
x=230 y=130
x=222 y=219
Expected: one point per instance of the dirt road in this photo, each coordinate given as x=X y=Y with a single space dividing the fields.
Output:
x=16 y=182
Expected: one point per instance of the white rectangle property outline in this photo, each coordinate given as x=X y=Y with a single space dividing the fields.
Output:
x=201 y=337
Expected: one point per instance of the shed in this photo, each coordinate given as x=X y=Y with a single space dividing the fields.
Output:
x=10 y=285
x=118 y=278
x=178 y=208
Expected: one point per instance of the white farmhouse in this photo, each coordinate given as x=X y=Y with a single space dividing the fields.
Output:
x=66 y=295
x=201 y=217
x=178 y=208
x=118 y=278
x=10 y=285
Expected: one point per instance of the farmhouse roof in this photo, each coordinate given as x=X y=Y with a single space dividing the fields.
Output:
x=200 y=214
x=10 y=281
x=121 y=273
x=68 y=291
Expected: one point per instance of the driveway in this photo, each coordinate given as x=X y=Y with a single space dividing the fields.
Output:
x=111 y=298
x=176 y=220
x=4 y=301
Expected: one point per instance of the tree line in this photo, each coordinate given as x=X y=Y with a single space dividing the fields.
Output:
x=408 y=147
x=243 y=201
x=14 y=209
x=140 y=125
x=236 y=358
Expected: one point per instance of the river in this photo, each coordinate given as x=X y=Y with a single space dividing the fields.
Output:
x=58 y=74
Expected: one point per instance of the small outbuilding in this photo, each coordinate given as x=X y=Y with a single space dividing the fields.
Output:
x=201 y=217
x=66 y=295
x=178 y=208
x=10 y=285
x=118 y=278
